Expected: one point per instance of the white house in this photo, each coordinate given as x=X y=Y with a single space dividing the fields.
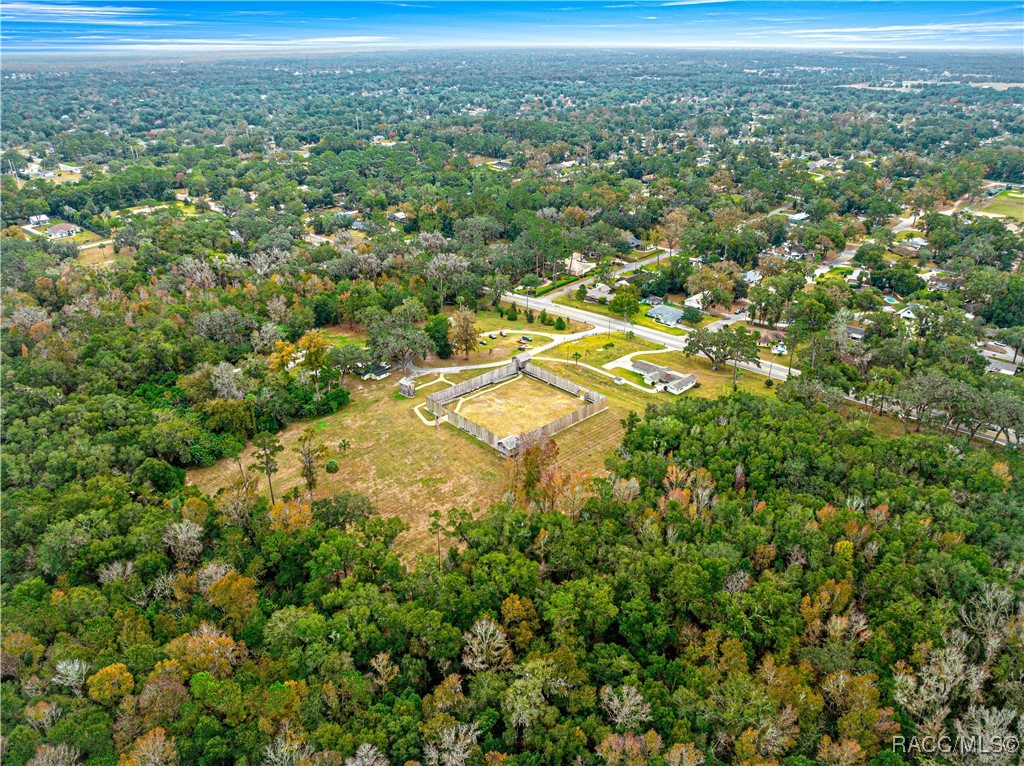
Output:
x=576 y=266
x=696 y=301
x=663 y=378
x=63 y=230
x=38 y=220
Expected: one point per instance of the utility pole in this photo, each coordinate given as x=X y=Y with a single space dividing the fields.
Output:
x=437 y=436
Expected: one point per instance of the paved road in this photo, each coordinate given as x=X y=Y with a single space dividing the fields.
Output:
x=678 y=342
x=603 y=323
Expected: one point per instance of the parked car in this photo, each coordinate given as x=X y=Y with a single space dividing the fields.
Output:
x=527 y=338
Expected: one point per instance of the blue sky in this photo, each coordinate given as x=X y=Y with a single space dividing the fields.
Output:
x=218 y=26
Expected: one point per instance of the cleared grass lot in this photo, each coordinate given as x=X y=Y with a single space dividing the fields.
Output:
x=517 y=406
x=1009 y=203
x=597 y=350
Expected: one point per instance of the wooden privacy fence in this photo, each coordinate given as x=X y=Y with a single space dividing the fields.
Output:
x=566 y=421
x=437 y=403
x=473 y=429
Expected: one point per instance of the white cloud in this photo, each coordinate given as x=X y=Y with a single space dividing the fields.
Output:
x=63 y=13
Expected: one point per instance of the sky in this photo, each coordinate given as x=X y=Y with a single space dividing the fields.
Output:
x=148 y=27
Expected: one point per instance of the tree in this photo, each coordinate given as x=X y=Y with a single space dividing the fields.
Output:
x=441 y=267
x=332 y=467
x=672 y=229
x=109 y=684
x=154 y=748
x=394 y=335
x=626 y=302
x=734 y=343
x=437 y=329
x=311 y=456
x=464 y=330
x=316 y=348
x=266 y=447
x=348 y=358
x=234 y=595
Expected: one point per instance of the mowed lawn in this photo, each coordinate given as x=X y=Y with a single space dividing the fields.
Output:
x=641 y=319
x=489 y=321
x=1009 y=203
x=517 y=406
x=599 y=349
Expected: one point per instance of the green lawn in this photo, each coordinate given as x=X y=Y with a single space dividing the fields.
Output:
x=345 y=336
x=597 y=350
x=1009 y=203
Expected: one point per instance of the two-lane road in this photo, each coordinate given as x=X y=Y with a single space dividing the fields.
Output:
x=677 y=342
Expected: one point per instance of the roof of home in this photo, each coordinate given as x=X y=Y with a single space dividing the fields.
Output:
x=643 y=367
x=674 y=382
x=665 y=314
x=63 y=227
x=680 y=382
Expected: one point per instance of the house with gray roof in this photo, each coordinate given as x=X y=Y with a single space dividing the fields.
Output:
x=666 y=315
x=663 y=378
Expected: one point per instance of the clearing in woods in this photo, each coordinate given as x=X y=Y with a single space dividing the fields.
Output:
x=517 y=406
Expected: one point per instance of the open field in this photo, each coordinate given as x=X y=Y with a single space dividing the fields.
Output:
x=517 y=406
x=344 y=336
x=1009 y=203
x=598 y=350
x=391 y=459
x=102 y=255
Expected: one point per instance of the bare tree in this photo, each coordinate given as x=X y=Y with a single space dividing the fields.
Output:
x=71 y=674
x=367 y=755
x=453 y=746
x=115 y=571
x=625 y=707
x=486 y=647
x=185 y=539
x=277 y=308
x=286 y=750
x=55 y=755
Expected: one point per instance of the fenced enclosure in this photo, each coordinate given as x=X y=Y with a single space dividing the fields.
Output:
x=438 y=404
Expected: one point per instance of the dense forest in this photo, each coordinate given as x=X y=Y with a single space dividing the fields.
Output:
x=764 y=579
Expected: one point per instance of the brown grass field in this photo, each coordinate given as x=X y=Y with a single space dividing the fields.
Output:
x=391 y=458
x=97 y=256
x=517 y=406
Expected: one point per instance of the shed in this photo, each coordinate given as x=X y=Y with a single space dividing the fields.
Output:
x=407 y=387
